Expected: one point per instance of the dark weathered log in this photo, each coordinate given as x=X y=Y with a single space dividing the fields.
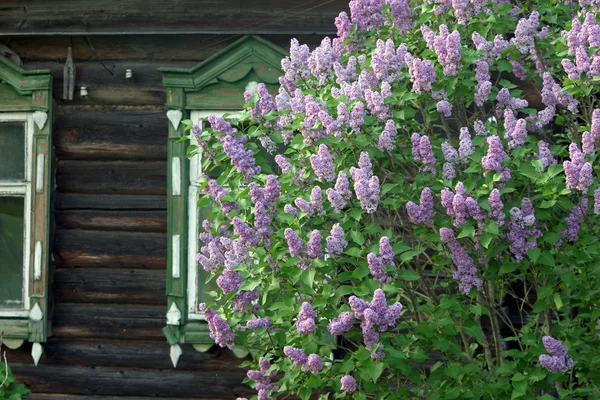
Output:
x=99 y=285
x=139 y=221
x=77 y=201
x=114 y=135
x=109 y=321
x=151 y=354
x=78 y=248
x=90 y=380
x=112 y=177
x=56 y=396
x=70 y=17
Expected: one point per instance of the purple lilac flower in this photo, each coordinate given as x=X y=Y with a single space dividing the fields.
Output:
x=314 y=247
x=366 y=14
x=290 y=209
x=525 y=32
x=597 y=201
x=258 y=323
x=377 y=269
x=336 y=200
x=595 y=128
x=375 y=316
x=314 y=364
x=448 y=171
x=298 y=356
x=559 y=359
x=357 y=116
x=447 y=47
x=587 y=144
x=304 y=206
x=283 y=163
x=336 y=243
x=465 y=148
x=376 y=104
x=348 y=383
x=416 y=141
x=316 y=200
x=480 y=129
x=450 y=153
x=573 y=221
x=422 y=213
x=367 y=190
x=422 y=73
x=296 y=245
x=426 y=154
x=272 y=190
x=387 y=61
x=516 y=137
x=341 y=324
x=306 y=319
x=466 y=273
x=342 y=186
x=496 y=207
x=230 y=281
x=323 y=165
x=523 y=230
x=518 y=70
x=219 y=329
x=444 y=107
x=484 y=86
x=364 y=163
x=242 y=159
x=545 y=154
x=385 y=250
x=244 y=299
x=321 y=61
x=495 y=156
x=577 y=171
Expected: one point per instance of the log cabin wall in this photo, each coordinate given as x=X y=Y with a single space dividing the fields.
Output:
x=108 y=274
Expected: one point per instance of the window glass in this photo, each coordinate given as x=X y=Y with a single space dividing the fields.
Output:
x=12 y=151
x=12 y=211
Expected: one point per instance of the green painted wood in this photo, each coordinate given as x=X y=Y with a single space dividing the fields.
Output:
x=30 y=91
x=197 y=333
x=219 y=82
x=11 y=251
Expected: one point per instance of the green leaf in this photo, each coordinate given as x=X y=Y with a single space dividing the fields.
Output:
x=507 y=268
x=409 y=275
x=534 y=254
x=485 y=240
x=547 y=203
x=204 y=201
x=547 y=259
x=357 y=237
x=468 y=230
x=356 y=213
x=558 y=301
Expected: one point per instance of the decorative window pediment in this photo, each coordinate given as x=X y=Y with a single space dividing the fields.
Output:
x=214 y=86
x=25 y=143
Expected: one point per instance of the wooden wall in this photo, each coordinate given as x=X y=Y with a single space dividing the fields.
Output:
x=109 y=251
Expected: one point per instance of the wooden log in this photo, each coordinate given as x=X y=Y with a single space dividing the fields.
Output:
x=151 y=354
x=161 y=48
x=109 y=321
x=145 y=86
x=112 y=177
x=78 y=201
x=110 y=381
x=117 y=135
x=139 y=221
x=57 y=396
x=158 y=16
x=98 y=285
x=82 y=248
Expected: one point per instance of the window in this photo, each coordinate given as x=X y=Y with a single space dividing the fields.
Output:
x=216 y=86
x=25 y=142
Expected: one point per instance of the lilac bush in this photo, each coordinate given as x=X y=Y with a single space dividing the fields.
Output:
x=426 y=225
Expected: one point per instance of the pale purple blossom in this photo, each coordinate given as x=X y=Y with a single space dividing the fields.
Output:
x=545 y=154
x=466 y=272
x=220 y=331
x=314 y=247
x=322 y=164
x=495 y=156
x=258 y=323
x=422 y=213
x=306 y=319
x=336 y=243
x=342 y=185
x=444 y=107
x=295 y=244
x=559 y=359
x=496 y=207
x=348 y=383
x=283 y=163
x=465 y=148
x=341 y=324
x=587 y=144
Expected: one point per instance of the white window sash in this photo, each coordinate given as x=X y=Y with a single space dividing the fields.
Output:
x=22 y=188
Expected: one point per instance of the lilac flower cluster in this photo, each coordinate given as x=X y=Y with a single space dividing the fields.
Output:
x=465 y=147
x=376 y=103
x=214 y=189
x=452 y=158
x=296 y=245
x=523 y=230
x=422 y=73
x=312 y=362
x=506 y=101
x=335 y=198
x=377 y=263
x=336 y=242
x=496 y=207
x=447 y=47
x=484 y=86
x=264 y=105
x=597 y=201
x=283 y=163
x=366 y=185
x=559 y=359
x=580 y=39
x=321 y=60
x=220 y=331
x=341 y=324
x=461 y=205
x=322 y=164
x=263 y=381
x=579 y=173
x=375 y=317
x=306 y=319
x=258 y=323
x=525 y=33
x=387 y=61
x=466 y=272
x=314 y=248
x=444 y=107
x=348 y=383
x=495 y=156
x=573 y=222
x=545 y=154
x=423 y=152
x=386 y=139
x=422 y=213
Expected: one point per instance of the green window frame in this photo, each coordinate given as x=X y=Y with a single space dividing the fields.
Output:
x=213 y=86
x=25 y=101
